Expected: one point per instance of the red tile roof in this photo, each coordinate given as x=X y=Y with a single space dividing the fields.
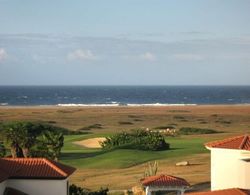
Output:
x=233 y=191
x=3 y=175
x=164 y=180
x=34 y=168
x=239 y=142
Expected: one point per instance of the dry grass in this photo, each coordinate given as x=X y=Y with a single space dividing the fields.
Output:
x=197 y=172
x=226 y=118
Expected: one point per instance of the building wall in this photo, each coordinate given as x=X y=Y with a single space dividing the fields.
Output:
x=245 y=171
x=2 y=187
x=39 y=187
x=228 y=170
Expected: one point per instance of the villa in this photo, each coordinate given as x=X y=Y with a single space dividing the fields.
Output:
x=38 y=176
x=230 y=166
x=230 y=163
x=231 y=191
x=165 y=183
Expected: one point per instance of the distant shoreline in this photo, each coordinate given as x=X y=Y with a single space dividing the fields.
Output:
x=122 y=106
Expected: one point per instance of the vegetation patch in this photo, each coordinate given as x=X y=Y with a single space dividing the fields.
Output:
x=133 y=116
x=203 y=122
x=179 y=117
x=223 y=122
x=51 y=122
x=76 y=190
x=165 y=127
x=125 y=123
x=94 y=126
x=173 y=124
x=138 y=139
x=194 y=131
x=178 y=111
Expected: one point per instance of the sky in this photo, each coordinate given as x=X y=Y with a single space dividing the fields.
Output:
x=124 y=42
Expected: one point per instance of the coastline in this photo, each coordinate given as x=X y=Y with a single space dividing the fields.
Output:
x=122 y=106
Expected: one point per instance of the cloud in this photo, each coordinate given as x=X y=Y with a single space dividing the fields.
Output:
x=81 y=54
x=188 y=57
x=3 y=54
x=148 y=56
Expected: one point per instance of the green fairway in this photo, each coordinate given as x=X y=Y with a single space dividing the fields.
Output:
x=82 y=157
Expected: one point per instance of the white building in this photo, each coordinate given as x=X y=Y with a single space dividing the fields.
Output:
x=231 y=191
x=230 y=163
x=165 y=183
x=33 y=176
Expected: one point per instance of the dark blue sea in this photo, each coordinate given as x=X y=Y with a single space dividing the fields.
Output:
x=122 y=95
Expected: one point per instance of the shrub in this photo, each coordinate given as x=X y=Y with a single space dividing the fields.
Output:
x=94 y=126
x=137 y=139
x=125 y=123
x=193 y=131
x=151 y=169
x=76 y=190
x=165 y=127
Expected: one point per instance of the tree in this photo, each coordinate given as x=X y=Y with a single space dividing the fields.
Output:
x=2 y=150
x=12 y=138
x=53 y=141
x=20 y=136
x=27 y=139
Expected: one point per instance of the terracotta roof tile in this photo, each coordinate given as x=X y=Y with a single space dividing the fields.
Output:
x=164 y=180
x=232 y=191
x=35 y=168
x=3 y=175
x=239 y=142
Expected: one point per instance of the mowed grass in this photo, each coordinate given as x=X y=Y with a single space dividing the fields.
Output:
x=81 y=157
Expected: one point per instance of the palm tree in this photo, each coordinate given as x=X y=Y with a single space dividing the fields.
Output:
x=54 y=143
x=2 y=150
x=20 y=137
x=12 y=137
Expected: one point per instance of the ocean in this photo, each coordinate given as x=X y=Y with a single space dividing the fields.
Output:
x=122 y=95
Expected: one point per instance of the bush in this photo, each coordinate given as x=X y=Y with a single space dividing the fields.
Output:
x=125 y=123
x=194 y=131
x=165 y=127
x=94 y=126
x=76 y=190
x=138 y=139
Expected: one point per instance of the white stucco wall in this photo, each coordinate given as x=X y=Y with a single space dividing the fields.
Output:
x=39 y=187
x=228 y=170
x=2 y=187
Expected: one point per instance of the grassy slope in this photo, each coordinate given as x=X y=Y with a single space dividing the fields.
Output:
x=81 y=157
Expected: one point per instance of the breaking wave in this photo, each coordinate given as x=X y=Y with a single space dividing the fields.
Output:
x=121 y=104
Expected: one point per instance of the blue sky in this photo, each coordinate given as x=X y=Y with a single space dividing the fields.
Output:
x=125 y=42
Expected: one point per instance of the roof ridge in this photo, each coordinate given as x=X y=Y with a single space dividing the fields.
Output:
x=243 y=141
x=52 y=165
x=240 y=190
x=226 y=140
x=174 y=177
